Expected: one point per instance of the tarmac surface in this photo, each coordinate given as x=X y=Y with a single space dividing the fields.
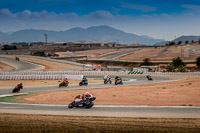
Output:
x=20 y=65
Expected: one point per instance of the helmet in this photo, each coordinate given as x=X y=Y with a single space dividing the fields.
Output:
x=87 y=93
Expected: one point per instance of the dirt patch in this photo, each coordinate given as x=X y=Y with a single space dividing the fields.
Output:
x=168 y=55
x=46 y=123
x=5 y=67
x=177 y=93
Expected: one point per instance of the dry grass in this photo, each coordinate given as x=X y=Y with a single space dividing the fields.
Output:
x=173 y=93
x=47 y=123
x=5 y=67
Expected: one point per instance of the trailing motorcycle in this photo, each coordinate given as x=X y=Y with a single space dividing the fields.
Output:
x=65 y=84
x=87 y=103
x=108 y=80
x=17 y=88
x=118 y=81
x=149 y=77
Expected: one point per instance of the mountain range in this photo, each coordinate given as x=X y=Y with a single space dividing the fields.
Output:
x=183 y=39
x=187 y=38
x=101 y=33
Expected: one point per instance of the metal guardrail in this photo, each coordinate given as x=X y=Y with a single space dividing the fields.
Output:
x=60 y=72
x=51 y=75
x=40 y=77
x=172 y=73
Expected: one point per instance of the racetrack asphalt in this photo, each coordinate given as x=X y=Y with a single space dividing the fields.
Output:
x=101 y=111
x=20 y=65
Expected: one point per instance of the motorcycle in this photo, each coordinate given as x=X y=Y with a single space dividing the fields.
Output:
x=87 y=103
x=118 y=81
x=64 y=84
x=17 y=89
x=108 y=80
x=83 y=82
x=149 y=77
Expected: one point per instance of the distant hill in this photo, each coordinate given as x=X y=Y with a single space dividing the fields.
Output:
x=92 y=34
x=187 y=38
x=161 y=43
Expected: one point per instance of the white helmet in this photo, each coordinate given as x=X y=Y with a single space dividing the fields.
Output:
x=87 y=93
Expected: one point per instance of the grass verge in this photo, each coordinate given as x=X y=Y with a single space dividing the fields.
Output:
x=11 y=99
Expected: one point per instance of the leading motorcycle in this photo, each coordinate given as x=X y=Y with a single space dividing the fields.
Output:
x=87 y=103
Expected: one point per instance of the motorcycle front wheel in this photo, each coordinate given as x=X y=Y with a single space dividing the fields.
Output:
x=71 y=105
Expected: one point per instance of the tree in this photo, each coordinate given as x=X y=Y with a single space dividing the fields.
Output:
x=198 y=62
x=177 y=62
x=181 y=68
x=179 y=42
x=146 y=62
x=186 y=42
x=171 y=67
x=9 y=47
x=39 y=53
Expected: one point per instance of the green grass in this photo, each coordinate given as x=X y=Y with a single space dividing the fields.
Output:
x=11 y=99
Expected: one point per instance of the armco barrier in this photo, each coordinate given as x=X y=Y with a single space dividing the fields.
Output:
x=172 y=73
x=59 y=72
x=40 y=77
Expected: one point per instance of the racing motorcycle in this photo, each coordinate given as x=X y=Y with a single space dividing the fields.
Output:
x=64 y=84
x=17 y=88
x=118 y=81
x=87 y=103
x=108 y=80
x=149 y=77
x=83 y=82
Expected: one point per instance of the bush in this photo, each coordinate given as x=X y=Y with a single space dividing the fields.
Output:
x=39 y=53
x=177 y=62
x=198 y=62
x=146 y=62
x=171 y=67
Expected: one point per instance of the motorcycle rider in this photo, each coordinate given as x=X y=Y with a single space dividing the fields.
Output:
x=106 y=77
x=149 y=77
x=19 y=86
x=84 y=79
x=87 y=94
x=118 y=79
x=65 y=81
x=78 y=99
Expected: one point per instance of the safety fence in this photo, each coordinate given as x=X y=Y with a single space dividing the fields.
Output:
x=60 y=72
x=40 y=77
x=51 y=75
x=172 y=73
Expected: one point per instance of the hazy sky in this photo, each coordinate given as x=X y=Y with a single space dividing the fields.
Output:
x=161 y=19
